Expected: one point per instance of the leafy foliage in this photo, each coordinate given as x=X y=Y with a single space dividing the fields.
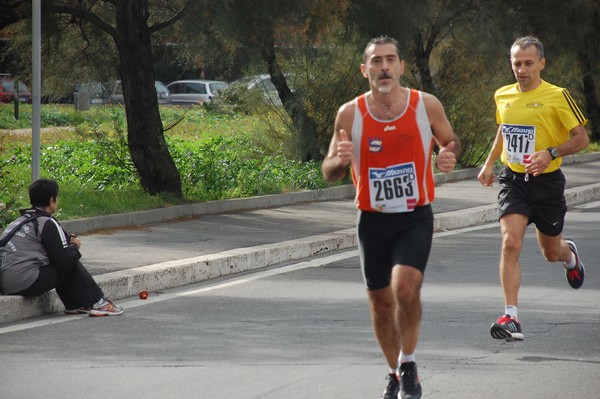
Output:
x=455 y=49
x=236 y=167
x=8 y=187
x=219 y=155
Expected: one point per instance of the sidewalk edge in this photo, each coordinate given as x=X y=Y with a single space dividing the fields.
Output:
x=87 y=225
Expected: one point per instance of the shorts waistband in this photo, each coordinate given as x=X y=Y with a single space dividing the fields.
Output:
x=529 y=176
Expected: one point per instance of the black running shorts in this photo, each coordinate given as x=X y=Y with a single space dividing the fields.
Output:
x=540 y=198
x=389 y=239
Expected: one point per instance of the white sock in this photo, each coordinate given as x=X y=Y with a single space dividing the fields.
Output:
x=405 y=358
x=511 y=310
x=572 y=262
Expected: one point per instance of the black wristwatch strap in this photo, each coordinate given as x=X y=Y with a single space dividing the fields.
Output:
x=553 y=152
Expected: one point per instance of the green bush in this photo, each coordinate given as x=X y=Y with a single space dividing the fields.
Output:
x=8 y=189
x=219 y=155
x=235 y=167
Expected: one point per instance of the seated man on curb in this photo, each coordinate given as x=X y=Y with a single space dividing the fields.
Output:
x=40 y=256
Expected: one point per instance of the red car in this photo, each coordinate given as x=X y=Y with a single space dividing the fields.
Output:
x=7 y=91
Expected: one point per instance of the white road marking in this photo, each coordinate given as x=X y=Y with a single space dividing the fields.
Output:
x=465 y=230
x=46 y=321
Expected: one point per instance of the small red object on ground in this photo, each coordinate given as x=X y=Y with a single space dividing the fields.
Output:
x=143 y=294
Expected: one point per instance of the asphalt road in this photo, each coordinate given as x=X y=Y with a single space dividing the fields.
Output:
x=302 y=331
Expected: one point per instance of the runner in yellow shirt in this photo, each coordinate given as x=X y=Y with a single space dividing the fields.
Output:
x=539 y=124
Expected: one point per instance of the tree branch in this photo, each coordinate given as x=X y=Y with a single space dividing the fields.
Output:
x=84 y=15
x=170 y=21
x=13 y=11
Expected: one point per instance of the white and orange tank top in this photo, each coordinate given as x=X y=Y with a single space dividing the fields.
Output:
x=392 y=169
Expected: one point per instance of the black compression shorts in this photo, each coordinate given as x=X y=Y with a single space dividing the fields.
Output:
x=540 y=198
x=389 y=239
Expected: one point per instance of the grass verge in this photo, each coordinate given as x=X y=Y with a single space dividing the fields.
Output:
x=219 y=156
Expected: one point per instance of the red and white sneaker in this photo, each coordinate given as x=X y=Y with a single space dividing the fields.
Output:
x=106 y=308
x=576 y=275
x=507 y=328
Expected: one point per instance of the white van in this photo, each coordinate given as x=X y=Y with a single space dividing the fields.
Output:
x=195 y=91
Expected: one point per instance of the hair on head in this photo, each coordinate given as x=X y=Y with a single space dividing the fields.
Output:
x=41 y=191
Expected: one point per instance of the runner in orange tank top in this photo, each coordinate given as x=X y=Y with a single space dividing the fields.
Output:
x=387 y=136
x=387 y=185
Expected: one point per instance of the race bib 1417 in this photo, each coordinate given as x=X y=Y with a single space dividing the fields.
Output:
x=519 y=143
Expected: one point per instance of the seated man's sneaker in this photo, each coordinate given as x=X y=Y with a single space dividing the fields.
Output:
x=105 y=308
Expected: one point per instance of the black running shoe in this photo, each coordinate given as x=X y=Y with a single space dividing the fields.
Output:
x=391 y=392
x=410 y=387
x=507 y=328
x=576 y=275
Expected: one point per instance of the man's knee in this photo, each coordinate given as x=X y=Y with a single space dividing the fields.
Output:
x=511 y=243
x=407 y=285
x=552 y=254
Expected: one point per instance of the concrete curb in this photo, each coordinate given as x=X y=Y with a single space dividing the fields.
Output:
x=187 y=271
x=85 y=225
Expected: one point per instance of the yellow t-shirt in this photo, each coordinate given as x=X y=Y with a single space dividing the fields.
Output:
x=533 y=121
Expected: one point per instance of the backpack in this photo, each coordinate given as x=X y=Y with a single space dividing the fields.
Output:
x=5 y=239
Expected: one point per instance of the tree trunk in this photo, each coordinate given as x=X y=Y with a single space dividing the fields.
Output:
x=147 y=146
x=588 y=59
x=422 y=59
x=304 y=126
x=592 y=105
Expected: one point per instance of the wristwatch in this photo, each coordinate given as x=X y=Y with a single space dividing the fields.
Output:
x=553 y=152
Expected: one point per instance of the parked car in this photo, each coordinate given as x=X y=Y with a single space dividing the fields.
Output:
x=91 y=93
x=195 y=91
x=7 y=90
x=162 y=93
x=262 y=83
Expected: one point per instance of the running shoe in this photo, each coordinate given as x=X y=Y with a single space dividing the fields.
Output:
x=106 y=308
x=576 y=275
x=410 y=387
x=507 y=328
x=391 y=392
x=81 y=310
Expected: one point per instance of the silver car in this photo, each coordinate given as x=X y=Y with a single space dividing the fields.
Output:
x=90 y=93
x=264 y=85
x=194 y=91
x=162 y=93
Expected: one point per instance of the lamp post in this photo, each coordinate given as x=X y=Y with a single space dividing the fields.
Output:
x=36 y=88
